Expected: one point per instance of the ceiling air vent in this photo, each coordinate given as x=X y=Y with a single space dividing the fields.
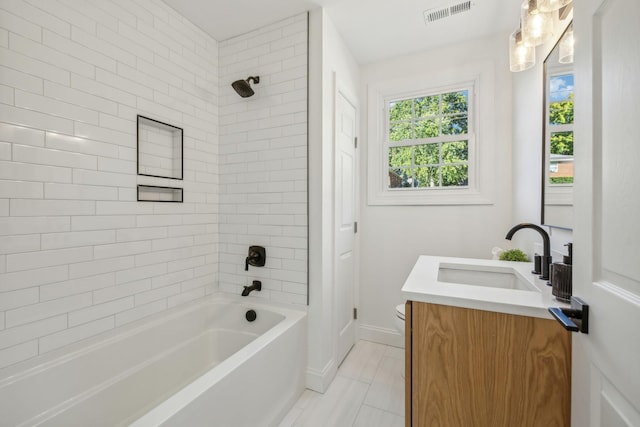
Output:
x=437 y=13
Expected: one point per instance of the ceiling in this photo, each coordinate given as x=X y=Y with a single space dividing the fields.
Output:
x=372 y=29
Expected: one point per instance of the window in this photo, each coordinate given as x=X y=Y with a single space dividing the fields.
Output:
x=427 y=140
x=424 y=144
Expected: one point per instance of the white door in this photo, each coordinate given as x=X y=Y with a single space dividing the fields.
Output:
x=345 y=208
x=606 y=361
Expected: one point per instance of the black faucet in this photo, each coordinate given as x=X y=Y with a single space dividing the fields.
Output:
x=546 y=257
x=255 y=286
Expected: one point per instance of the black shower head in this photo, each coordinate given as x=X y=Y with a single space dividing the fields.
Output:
x=243 y=87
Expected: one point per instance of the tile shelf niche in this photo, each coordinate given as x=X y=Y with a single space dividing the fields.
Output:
x=159 y=149
x=152 y=193
x=159 y=155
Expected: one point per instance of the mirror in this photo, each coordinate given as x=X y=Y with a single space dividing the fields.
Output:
x=557 y=158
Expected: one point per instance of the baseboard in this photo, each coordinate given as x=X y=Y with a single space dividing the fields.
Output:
x=381 y=335
x=320 y=380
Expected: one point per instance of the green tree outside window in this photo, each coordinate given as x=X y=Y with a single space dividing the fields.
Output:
x=424 y=160
x=561 y=115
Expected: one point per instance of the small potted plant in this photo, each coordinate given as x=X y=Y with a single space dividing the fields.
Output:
x=514 y=255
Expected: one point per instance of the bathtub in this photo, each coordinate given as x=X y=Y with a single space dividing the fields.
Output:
x=202 y=364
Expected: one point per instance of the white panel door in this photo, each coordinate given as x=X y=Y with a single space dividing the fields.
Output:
x=345 y=208
x=606 y=361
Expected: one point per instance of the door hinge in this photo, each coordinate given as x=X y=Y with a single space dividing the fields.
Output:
x=355 y=142
x=355 y=227
x=355 y=313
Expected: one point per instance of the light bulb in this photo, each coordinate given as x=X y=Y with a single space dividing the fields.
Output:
x=537 y=26
x=521 y=57
x=552 y=5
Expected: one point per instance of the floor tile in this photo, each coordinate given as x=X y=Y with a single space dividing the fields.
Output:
x=291 y=417
x=338 y=407
x=386 y=391
x=373 y=417
x=368 y=391
x=307 y=397
x=395 y=352
x=362 y=361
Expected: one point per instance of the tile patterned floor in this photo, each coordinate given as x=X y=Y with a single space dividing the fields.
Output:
x=368 y=391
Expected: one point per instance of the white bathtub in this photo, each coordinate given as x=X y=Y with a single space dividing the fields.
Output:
x=198 y=365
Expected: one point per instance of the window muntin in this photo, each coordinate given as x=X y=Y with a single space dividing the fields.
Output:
x=427 y=140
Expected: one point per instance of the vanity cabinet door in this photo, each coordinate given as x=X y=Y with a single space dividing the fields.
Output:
x=480 y=368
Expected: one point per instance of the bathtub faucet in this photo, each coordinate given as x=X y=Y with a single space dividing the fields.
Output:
x=255 y=286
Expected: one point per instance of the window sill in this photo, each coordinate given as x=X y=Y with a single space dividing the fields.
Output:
x=427 y=197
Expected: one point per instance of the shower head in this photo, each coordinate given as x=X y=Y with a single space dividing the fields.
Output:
x=243 y=87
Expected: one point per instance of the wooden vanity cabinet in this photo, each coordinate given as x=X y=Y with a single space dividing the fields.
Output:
x=468 y=367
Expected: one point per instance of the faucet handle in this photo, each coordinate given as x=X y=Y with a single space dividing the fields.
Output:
x=537 y=264
x=257 y=257
x=546 y=264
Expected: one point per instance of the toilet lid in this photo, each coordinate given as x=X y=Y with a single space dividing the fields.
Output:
x=400 y=311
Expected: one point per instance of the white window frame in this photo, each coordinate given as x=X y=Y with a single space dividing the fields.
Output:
x=440 y=139
x=478 y=79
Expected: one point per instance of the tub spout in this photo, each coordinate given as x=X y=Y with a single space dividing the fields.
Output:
x=255 y=286
x=546 y=258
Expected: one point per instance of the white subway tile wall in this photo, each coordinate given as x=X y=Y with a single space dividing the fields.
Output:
x=78 y=254
x=263 y=160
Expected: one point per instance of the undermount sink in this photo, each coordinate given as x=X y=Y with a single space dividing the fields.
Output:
x=484 y=275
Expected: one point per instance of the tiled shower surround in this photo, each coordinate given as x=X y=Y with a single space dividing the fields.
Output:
x=78 y=254
x=263 y=160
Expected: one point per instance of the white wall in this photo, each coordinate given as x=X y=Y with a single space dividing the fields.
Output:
x=329 y=57
x=394 y=236
x=78 y=254
x=263 y=160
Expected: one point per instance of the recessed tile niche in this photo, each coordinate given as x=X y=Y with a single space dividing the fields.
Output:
x=160 y=148
x=152 y=193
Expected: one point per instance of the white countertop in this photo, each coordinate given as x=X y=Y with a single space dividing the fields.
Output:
x=423 y=285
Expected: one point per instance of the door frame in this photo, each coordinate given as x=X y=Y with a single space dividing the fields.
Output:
x=341 y=88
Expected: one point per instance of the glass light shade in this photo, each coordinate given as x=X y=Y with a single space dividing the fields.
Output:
x=565 y=48
x=521 y=57
x=537 y=26
x=552 y=5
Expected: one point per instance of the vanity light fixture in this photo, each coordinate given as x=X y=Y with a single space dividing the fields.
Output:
x=565 y=48
x=536 y=26
x=552 y=5
x=521 y=57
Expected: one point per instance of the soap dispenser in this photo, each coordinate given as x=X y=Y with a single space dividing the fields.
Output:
x=561 y=277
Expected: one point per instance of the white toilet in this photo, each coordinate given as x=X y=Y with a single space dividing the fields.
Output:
x=400 y=318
